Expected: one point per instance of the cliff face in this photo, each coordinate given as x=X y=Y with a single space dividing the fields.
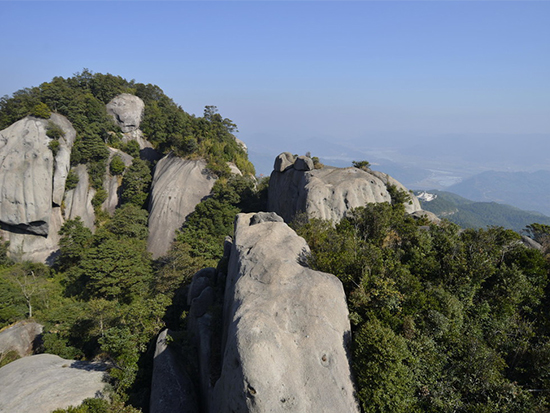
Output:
x=327 y=193
x=285 y=327
x=32 y=184
x=178 y=186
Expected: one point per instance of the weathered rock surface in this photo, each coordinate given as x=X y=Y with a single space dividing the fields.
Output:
x=78 y=201
x=43 y=383
x=178 y=186
x=531 y=243
x=22 y=337
x=172 y=389
x=286 y=328
x=112 y=183
x=426 y=214
x=32 y=183
x=127 y=111
x=327 y=193
x=26 y=170
x=413 y=205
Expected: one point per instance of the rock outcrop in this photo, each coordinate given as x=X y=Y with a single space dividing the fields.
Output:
x=78 y=201
x=43 y=383
x=326 y=193
x=32 y=183
x=112 y=183
x=22 y=337
x=286 y=327
x=172 y=388
x=127 y=111
x=178 y=186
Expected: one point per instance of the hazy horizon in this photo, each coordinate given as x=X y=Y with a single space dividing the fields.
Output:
x=385 y=80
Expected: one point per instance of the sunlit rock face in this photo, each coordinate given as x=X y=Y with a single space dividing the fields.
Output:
x=32 y=184
x=178 y=186
x=286 y=327
x=127 y=111
x=44 y=383
x=327 y=193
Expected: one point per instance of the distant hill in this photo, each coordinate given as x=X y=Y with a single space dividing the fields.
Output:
x=471 y=214
x=528 y=191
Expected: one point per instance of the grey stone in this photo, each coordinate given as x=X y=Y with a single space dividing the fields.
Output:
x=26 y=170
x=32 y=182
x=286 y=328
x=530 y=243
x=43 y=383
x=260 y=217
x=113 y=183
x=304 y=163
x=200 y=281
x=21 y=337
x=127 y=111
x=283 y=162
x=426 y=214
x=413 y=205
x=63 y=157
x=172 y=390
x=78 y=201
x=178 y=186
x=327 y=193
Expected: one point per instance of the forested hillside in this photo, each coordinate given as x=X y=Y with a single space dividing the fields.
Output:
x=471 y=214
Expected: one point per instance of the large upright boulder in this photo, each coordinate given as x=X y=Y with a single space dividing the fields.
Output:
x=43 y=383
x=32 y=183
x=127 y=111
x=326 y=193
x=78 y=201
x=178 y=186
x=286 y=327
x=21 y=337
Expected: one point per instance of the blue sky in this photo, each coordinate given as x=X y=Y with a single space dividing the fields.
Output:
x=286 y=71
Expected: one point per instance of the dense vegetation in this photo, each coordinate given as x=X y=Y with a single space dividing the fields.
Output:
x=443 y=319
x=470 y=214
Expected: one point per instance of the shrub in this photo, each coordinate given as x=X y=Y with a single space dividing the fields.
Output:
x=72 y=181
x=54 y=131
x=117 y=165
x=54 y=146
x=132 y=149
x=41 y=110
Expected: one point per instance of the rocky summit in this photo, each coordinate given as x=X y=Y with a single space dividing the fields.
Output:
x=326 y=193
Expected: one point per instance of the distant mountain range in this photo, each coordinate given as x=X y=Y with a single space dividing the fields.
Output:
x=471 y=214
x=528 y=191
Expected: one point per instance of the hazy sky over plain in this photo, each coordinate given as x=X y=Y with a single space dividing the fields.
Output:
x=304 y=69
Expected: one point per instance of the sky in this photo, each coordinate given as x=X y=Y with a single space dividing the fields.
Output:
x=291 y=74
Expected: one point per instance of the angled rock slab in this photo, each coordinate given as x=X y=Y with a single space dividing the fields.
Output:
x=43 y=383
x=178 y=186
x=286 y=328
x=20 y=337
